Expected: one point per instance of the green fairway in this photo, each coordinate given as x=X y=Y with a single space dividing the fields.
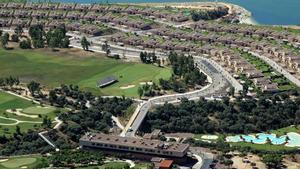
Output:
x=18 y=162
x=52 y=70
x=8 y=119
x=31 y=161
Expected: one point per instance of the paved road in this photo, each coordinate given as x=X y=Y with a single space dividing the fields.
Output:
x=218 y=83
x=207 y=158
x=278 y=68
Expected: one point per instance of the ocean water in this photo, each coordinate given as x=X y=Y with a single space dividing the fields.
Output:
x=269 y=12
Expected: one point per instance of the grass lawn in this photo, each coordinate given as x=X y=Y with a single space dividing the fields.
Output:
x=285 y=130
x=107 y=165
x=8 y=101
x=39 y=110
x=55 y=68
x=266 y=147
x=18 y=162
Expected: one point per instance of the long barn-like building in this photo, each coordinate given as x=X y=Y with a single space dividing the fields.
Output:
x=152 y=148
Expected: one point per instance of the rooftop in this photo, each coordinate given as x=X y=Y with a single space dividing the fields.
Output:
x=134 y=142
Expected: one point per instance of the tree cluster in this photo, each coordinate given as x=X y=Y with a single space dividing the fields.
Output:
x=148 y=58
x=148 y=90
x=71 y=158
x=19 y=143
x=96 y=117
x=9 y=81
x=185 y=74
x=37 y=35
x=90 y=112
x=242 y=116
x=57 y=38
x=208 y=14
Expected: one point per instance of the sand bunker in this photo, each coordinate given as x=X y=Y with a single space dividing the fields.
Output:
x=24 y=167
x=209 y=137
x=127 y=87
x=18 y=112
x=3 y=160
x=149 y=83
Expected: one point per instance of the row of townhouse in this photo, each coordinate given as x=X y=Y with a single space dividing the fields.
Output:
x=290 y=59
x=233 y=63
x=264 y=32
x=51 y=24
x=123 y=19
x=98 y=8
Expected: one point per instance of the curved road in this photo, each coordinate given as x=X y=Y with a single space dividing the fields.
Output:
x=218 y=83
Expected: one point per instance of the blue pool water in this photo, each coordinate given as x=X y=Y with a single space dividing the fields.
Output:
x=275 y=12
x=260 y=138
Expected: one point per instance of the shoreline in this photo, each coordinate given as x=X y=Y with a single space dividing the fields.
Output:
x=243 y=15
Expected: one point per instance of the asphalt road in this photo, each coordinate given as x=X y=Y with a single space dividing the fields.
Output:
x=218 y=84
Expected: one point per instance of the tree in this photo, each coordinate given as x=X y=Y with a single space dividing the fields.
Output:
x=272 y=160
x=47 y=122
x=18 y=130
x=15 y=38
x=19 y=31
x=85 y=44
x=25 y=44
x=140 y=92
x=33 y=87
x=57 y=38
x=37 y=33
x=4 y=39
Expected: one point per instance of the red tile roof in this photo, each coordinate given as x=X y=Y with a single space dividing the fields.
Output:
x=166 y=164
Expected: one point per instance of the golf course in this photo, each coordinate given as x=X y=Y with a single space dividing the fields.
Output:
x=52 y=69
x=20 y=162
x=15 y=111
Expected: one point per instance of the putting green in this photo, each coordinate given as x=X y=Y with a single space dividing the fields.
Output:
x=38 y=110
x=18 y=162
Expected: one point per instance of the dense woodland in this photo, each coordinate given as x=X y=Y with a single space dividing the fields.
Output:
x=38 y=38
x=87 y=113
x=242 y=116
x=185 y=74
x=208 y=15
x=90 y=112
x=20 y=143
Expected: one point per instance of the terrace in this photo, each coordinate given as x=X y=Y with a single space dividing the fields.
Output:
x=73 y=15
x=20 y=22
x=66 y=6
x=32 y=6
x=40 y=14
x=57 y=15
x=49 y=6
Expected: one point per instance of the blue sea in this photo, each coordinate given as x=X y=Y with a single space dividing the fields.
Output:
x=269 y=12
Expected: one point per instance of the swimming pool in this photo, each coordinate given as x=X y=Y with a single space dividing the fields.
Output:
x=291 y=139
